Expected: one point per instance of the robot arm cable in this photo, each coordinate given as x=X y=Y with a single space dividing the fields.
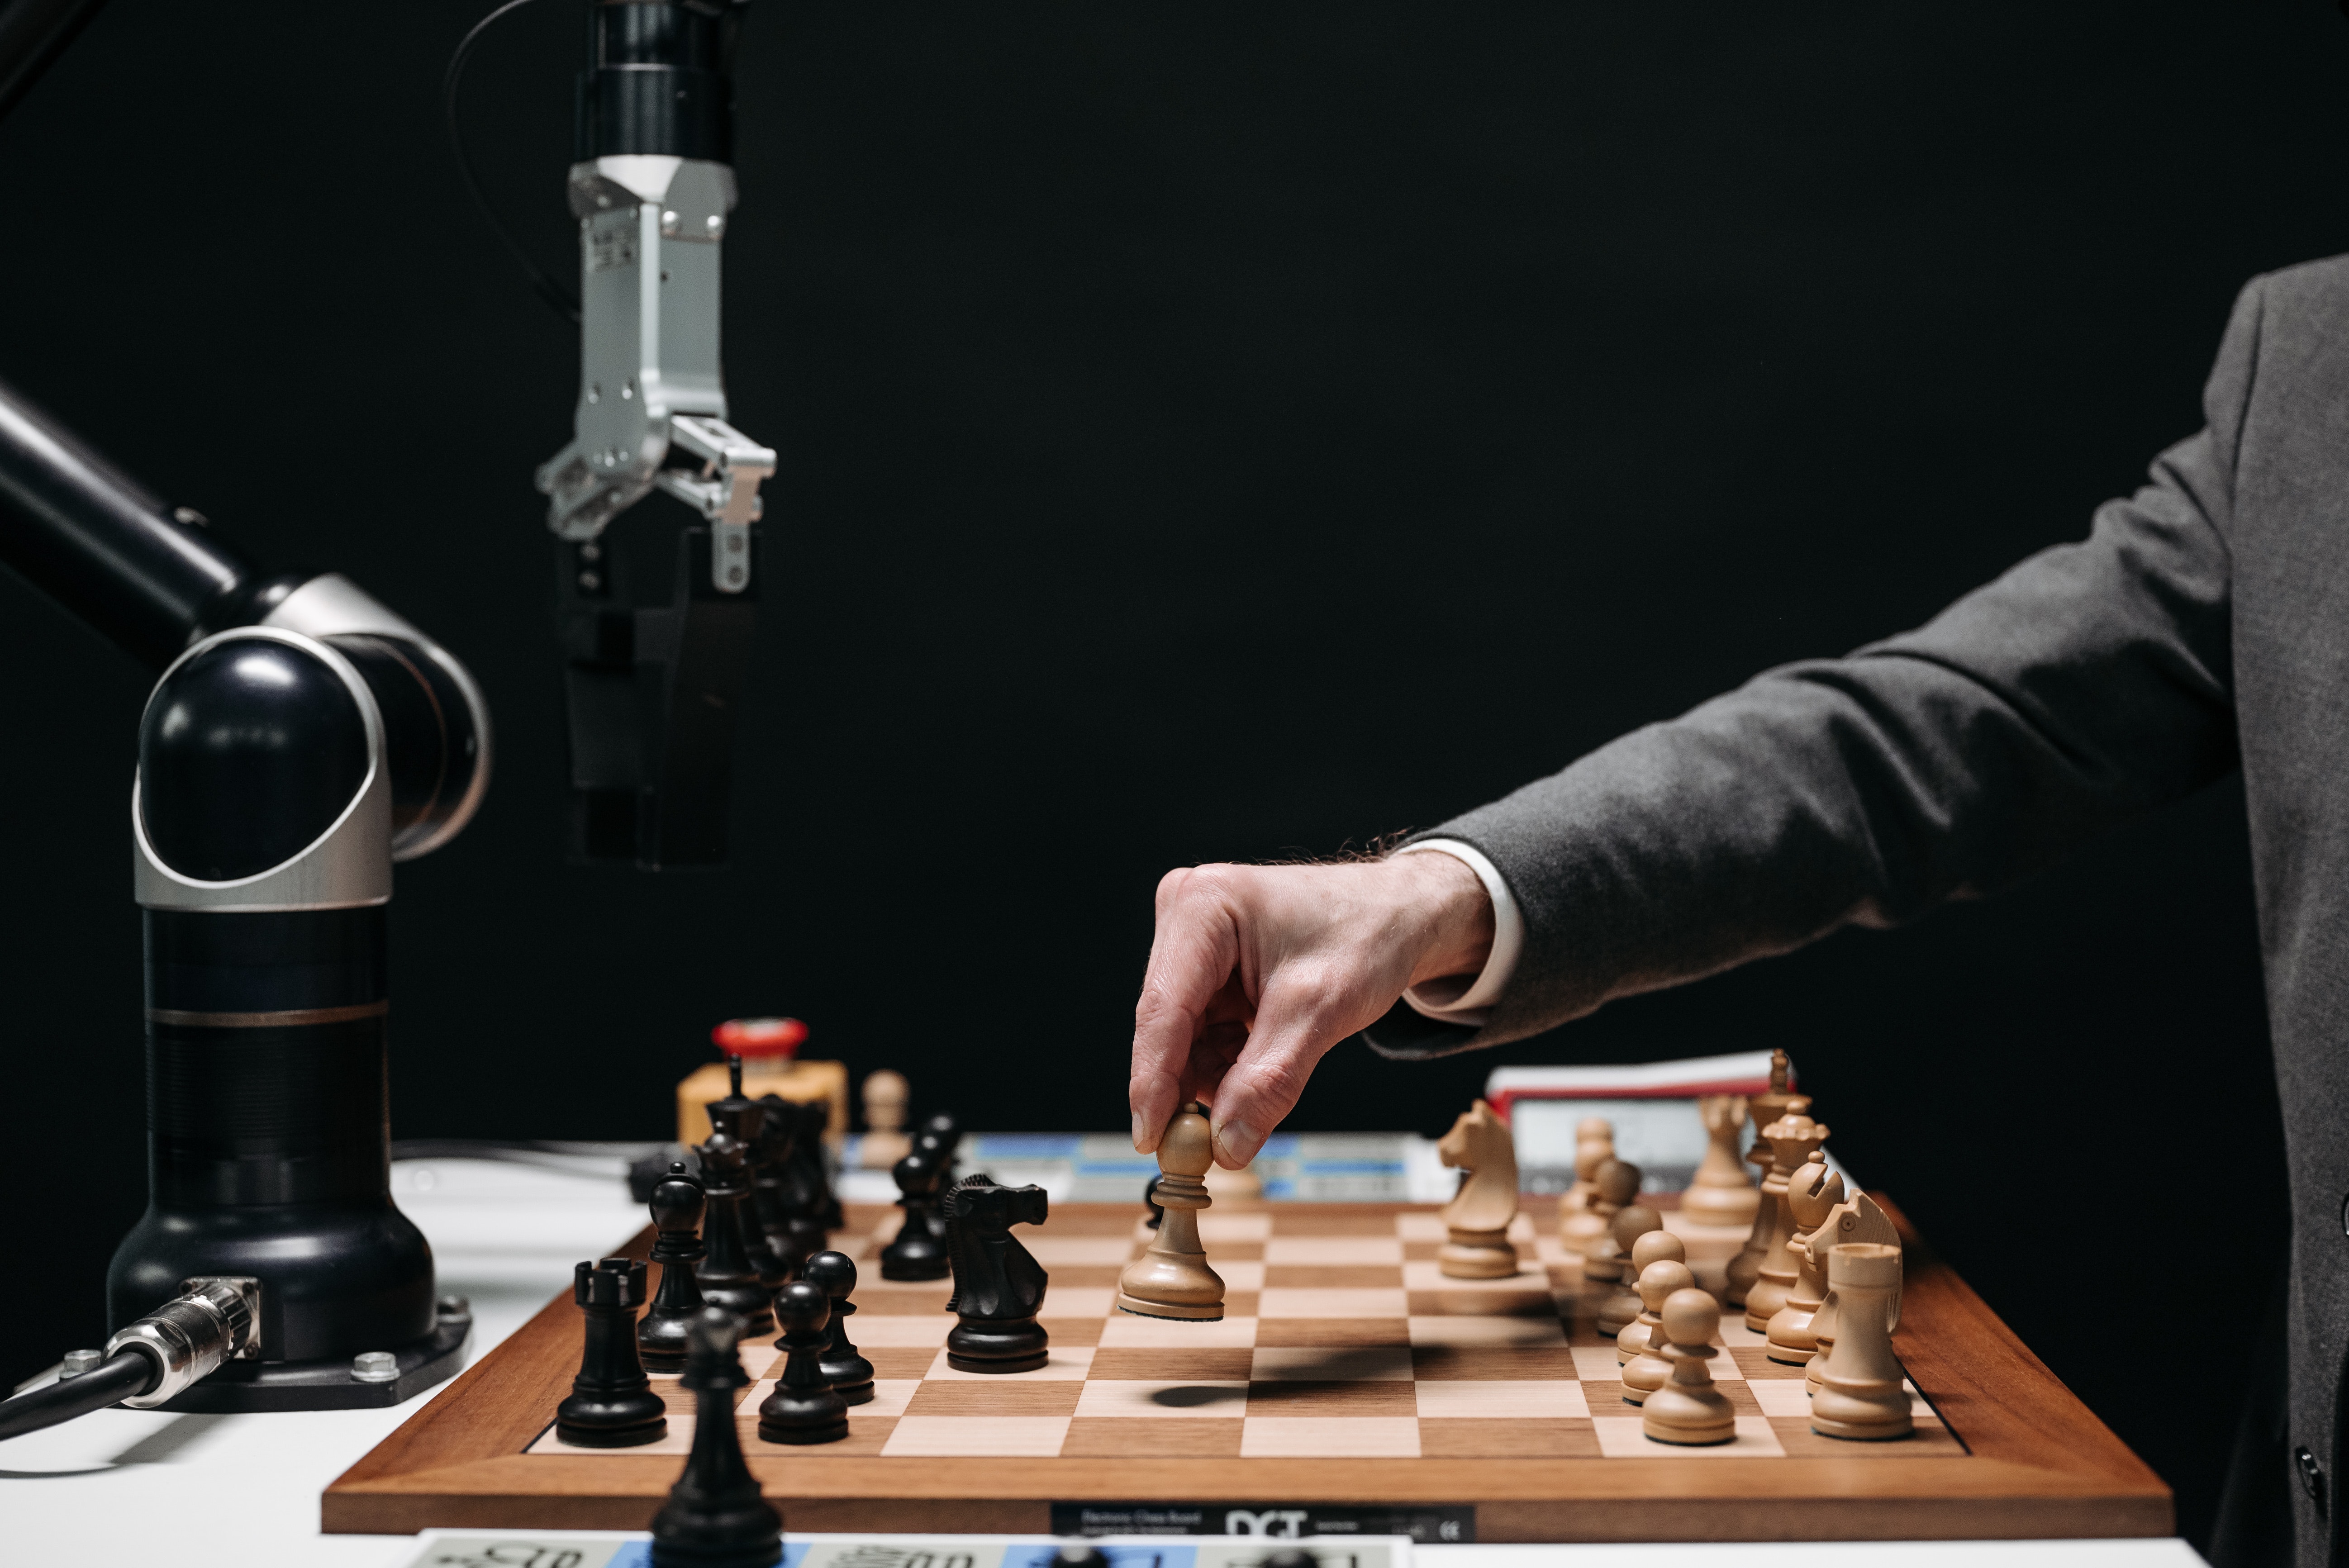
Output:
x=546 y=287
x=121 y=1376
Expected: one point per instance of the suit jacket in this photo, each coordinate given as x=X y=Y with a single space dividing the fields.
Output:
x=2203 y=625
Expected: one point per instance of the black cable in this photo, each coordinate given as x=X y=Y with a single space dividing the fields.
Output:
x=546 y=287
x=122 y=1375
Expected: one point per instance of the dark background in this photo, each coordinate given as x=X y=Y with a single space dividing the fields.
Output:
x=1209 y=431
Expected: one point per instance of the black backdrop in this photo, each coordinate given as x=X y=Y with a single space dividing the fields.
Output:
x=1209 y=431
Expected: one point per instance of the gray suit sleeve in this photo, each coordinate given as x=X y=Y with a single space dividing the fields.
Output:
x=2088 y=684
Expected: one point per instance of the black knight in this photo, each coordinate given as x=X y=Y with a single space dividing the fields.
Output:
x=999 y=1284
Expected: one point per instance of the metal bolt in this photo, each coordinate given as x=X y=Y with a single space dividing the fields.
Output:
x=375 y=1366
x=733 y=574
x=594 y=393
x=589 y=581
x=717 y=225
x=80 y=1361
x=669 y=222
x=588 y=551
x=734 y=542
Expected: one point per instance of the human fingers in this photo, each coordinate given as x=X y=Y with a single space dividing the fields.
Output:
x=1308 y=1006
x=1193 y=954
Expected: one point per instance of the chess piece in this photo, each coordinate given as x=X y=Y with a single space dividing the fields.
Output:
x=1633 y=1221
x=1648 y=1371
x=1688 y=1410
x=1856 y=1219
x=1238 y=1185
x=1477 y=1219
x=807 y=1181
x=885 y=1142
x=940 y=1138
x=612 y=1403
x=942 y=1133
x=1719 y=1194
x=715 y=1517
x=916 y=1253
x=677 y=1205
x=848 y=1372
x=804 y=1407
x=1860 y=1394
x=746 y=1120
x=1172 y=1279
x=1656 y=1247
x=726 y=1274
x=1762 y=1110
x=766 y=1140
x=1146 y=1228
x=1594 y=1145
x=1791 y=1138
x=1812 y=1193
x=999 y=1284
x=1618 y=1184
x=769 y=1218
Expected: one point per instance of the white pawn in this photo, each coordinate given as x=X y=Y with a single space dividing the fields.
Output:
x=1618 y=1185
x=1648 y=1370
x=1653 y=1247
x=1860 y=1393
x=1688 y=1410
x=1621 y=1309
x=1594 y=1145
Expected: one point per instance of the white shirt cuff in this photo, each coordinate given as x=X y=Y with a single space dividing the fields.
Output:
x=1457 y=999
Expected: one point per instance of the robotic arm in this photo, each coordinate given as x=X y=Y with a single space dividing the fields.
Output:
x=301 y=738
x=653 y=677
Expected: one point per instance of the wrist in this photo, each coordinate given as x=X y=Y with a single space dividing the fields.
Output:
x=1446 y=903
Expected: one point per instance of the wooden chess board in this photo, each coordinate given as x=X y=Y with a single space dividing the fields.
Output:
x=1347 y=1371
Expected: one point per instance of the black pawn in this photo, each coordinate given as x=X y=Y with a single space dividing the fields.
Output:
x=727 y=1276
x=940 y=1137
x=1077 y=1554
x=1150 y=1197
x=917 y=1252
x=943 y=1133
x=676 y=1204
x=612 y=1403
x=850 y=1374
x=1292 y=1557
x=803 y=1409
x=715 y=1517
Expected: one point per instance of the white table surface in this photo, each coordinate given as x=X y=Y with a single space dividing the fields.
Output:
x=128 y=1489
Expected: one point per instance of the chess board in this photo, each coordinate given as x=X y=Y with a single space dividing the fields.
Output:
x=1347 y=1373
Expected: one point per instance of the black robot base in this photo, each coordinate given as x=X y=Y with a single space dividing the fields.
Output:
x=337 y=1383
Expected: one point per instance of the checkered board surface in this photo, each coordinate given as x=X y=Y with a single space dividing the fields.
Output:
x=1341 y=1340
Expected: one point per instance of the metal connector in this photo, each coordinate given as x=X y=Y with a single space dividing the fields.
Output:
x=189 y=1337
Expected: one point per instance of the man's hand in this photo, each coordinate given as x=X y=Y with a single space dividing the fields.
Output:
x=1256 y=971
